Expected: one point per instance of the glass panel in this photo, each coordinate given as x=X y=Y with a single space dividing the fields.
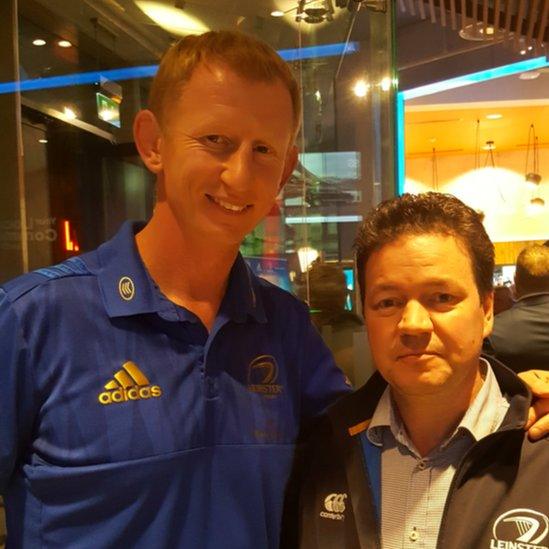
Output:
x=85 y=70
x=480 y=141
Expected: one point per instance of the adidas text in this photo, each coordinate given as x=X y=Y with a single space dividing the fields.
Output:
x=133 y=393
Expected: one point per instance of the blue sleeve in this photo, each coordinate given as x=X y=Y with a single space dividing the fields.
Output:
x=322 y=381
x=16 y=390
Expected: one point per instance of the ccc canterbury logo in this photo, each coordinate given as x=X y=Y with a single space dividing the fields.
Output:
x=129 y=383
x=520 y=529
x=126 y=288
x=335 y=506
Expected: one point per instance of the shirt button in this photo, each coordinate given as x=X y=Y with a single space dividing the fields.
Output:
x=211 y=387
x=421 y=465
x=414 y=534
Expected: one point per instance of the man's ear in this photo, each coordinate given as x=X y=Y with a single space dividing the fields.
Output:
x=289 y=166
x=488 y=309
x=148 y=137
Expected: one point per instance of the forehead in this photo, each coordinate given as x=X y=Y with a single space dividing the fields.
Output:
x=417 y=258
x=218 y=85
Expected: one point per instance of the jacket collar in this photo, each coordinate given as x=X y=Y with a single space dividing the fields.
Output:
x=352 y=414
x=127 y=288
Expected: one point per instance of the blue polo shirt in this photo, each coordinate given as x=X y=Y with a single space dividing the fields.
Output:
x=124 y=423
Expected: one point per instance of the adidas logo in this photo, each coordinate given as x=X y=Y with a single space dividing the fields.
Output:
x=129 y=383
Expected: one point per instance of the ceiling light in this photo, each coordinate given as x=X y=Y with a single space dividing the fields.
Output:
x=277 y=13
x=533 y=176
x=64 y=44
x=43 y=141
x=171 y=19
x=306 y=256
x=39 y=42
x=522 y=52
x=69 y=113
x=361 y=87
x=494 y=116
x=476 y=33
x=530 y=75
x=385 y=84
x=536 y=205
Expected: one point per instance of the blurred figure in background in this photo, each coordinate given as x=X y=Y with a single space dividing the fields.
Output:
x=503 y=299
x=521 y=334
x=327 y=298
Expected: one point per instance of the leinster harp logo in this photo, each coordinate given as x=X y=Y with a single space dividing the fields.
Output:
x=520 y=529
x=262 y=376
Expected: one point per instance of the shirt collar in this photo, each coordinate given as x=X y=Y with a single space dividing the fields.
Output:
x=487 y=410
x=483 y=416
x=127 y=288
x=243 y=295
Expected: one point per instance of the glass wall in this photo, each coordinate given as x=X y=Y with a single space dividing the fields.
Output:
x=75 y=72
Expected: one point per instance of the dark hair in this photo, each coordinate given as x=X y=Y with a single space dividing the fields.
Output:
x=427 y=213
x=532 y=274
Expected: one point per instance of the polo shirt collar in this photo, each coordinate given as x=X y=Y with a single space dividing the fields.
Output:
x=127 y=288
x=243 y=295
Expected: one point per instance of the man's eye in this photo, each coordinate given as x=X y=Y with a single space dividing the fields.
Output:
x=444 y=299
x=386 y=304
x=263 y=149
x=216 y=139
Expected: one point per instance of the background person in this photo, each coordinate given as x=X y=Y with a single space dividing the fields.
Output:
x=520 y=338
x=431 y=452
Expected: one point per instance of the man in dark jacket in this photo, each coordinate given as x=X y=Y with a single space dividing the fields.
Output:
x=431 y=452
x=521 y=334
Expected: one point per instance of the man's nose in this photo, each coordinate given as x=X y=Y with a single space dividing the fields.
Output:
x=238 y=169
x=415 y=319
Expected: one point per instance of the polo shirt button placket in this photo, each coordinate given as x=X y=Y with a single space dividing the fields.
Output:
x=414 y=534
x=211 y=387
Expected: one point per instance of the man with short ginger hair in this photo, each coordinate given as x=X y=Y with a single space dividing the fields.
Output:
x=151 y=391
x=520 y=338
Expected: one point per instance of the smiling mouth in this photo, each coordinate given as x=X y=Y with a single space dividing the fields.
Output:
x=228 y=206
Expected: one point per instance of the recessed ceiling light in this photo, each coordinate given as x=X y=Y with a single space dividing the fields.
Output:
x=173 y=20
x=64 y=44
x=39 y=42
x=494 y=116
x=385 y=84
x=361 y=87
x=277 y=13
x=530 y=75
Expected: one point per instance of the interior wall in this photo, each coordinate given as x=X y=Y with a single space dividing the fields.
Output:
x=500 y=192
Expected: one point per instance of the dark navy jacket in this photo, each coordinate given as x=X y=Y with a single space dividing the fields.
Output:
x=499 y=497
x=520 y=338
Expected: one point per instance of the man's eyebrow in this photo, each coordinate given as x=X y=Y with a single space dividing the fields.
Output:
x=438 y=281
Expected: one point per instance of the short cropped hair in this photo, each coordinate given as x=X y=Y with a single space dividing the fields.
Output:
x=427 y=213
x=247 y=56
x=532 y=273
